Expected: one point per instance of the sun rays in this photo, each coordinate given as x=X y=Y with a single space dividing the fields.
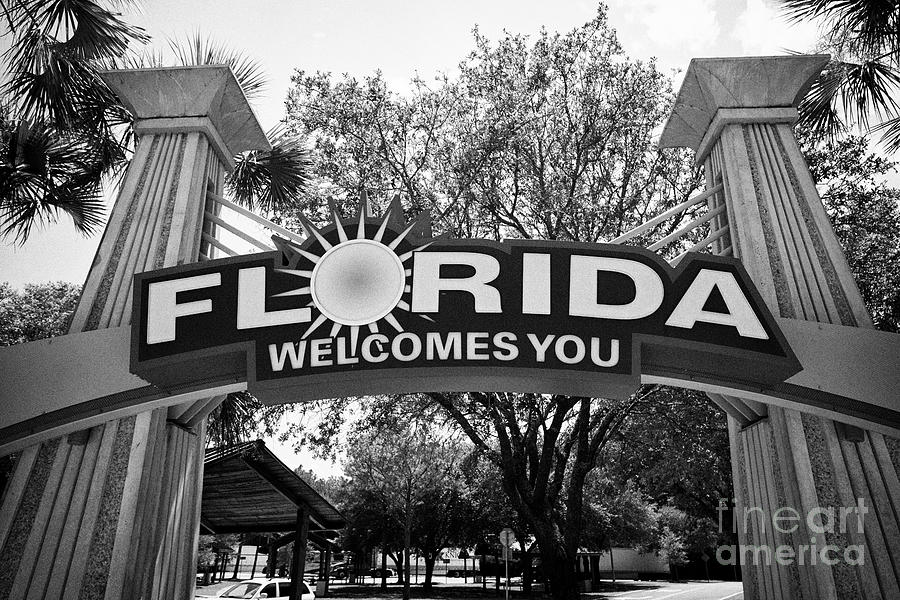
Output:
x=356 y=273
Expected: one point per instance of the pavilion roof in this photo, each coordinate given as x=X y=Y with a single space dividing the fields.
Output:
x=247 y=489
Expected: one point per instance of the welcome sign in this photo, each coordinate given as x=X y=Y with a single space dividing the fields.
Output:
x=374 y=306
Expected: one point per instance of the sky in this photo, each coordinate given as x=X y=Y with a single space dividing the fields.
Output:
x=405 y=38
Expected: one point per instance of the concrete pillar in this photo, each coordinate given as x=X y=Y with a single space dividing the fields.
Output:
x=113 y=511
x=737 y=114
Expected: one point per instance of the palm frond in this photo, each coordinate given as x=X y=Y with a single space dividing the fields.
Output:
x=890 y=134
x=869 y=90
x=54 y=56
x=271 y=180
x=147 y=58
x=866 y=28
x=848 y=92
x=818 y=114
x=87 y=31
x=201 y=50
x=43 y=174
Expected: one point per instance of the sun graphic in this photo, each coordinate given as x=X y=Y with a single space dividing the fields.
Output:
x=357 y=271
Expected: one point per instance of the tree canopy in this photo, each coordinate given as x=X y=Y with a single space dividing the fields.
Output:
x=38 y=311
x=547 y=138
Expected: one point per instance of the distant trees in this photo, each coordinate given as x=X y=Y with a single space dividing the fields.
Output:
x=409 y=477
x=38 y=311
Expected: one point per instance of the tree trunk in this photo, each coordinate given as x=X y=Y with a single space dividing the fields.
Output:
x=407 y=534
x=527 y=571
x=383 y=569
x=559 y=568
x=430 y=559
x=398 y=564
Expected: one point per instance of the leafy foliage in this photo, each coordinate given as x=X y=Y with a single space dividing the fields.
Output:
x=240 y=417
x=40 y=310
x=675 y=448
x=545 y=138
x=617 y=515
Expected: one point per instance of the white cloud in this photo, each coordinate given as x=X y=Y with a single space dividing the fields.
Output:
x=762 y=30
x=674 y=31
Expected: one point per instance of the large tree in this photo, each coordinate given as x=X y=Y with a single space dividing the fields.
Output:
x=675 y=449
x=546 y=137
x=546 y=447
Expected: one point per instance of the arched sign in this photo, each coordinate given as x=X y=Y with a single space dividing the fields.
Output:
x=372 y=306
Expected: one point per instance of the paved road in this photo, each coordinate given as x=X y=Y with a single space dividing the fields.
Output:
x=717 y=590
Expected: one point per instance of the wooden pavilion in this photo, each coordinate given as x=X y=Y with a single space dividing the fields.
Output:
x=247 y=489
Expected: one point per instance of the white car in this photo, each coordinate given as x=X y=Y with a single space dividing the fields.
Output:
x=265 y=588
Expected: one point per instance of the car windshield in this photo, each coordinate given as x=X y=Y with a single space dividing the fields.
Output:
x=241 y=590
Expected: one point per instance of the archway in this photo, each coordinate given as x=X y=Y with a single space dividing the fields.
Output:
x=777 y=335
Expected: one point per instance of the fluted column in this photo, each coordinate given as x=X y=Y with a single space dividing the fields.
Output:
x=113 y=511
x=737 y=114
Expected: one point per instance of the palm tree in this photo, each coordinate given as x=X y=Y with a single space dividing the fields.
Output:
x=61 y=129
x=63 y=133
x=858 y=87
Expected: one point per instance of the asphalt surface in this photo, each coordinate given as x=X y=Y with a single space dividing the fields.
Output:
x=660 y=590
x=625 y=590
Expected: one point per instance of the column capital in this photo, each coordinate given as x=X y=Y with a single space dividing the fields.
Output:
x=196 y=98
x=751 y=89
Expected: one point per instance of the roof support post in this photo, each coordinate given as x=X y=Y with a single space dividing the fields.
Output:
x=272 y=558
x=298 y=562
x=327 y=575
